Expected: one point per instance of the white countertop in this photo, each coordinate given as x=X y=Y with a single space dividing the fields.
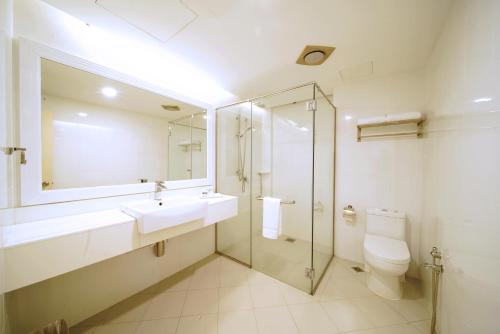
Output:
x=19 y=234
x=93 y=237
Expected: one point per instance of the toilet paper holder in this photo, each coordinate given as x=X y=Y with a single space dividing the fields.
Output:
x=349 y=213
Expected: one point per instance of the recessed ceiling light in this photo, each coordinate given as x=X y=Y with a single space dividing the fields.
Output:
x=483 y=99
x=347 y=117
x=82 y=114
x=314 y=54
x=109 y=92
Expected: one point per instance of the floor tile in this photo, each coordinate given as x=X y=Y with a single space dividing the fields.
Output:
x=256 y=278
x=205 y=277
x=235 y=299
x=412 y=310
x=266 y=296
x=338 y=269
x=219 y=295
x=366 y=331
x=233 y=274
x=201 y=302
x=131 y=309
x=81 y=330
x=275 y=320
x=346 y=315
x=122 y=328
x=238 y=322
x=424 y=327
x=159 y=326
x=311 y=318
x=398 y=329
x=177 y=282
x=165 y=305
x=296 y=296
x=198 y=324
x=342 y=287
x=378 y=312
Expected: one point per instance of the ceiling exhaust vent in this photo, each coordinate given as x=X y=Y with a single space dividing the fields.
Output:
x=314 y=55
x=170 y=107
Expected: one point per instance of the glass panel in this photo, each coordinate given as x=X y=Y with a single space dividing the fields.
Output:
x=324 y=146
x=187 y=149
x=179 y=149
x=282 y=149
x=199 y=146
x=233 y=175
x=117 y=123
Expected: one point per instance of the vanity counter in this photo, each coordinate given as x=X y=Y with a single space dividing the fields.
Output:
x=42 y=249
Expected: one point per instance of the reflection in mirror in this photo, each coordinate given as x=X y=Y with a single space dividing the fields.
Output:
x=187 y=147
x=101 y=132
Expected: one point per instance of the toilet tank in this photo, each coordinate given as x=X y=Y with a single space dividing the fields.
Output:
x=386 y=223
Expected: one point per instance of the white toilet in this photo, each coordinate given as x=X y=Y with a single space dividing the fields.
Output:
x=387 y=257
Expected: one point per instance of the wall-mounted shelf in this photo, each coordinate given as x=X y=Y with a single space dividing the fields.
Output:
x=195 y=145
x=410 y=118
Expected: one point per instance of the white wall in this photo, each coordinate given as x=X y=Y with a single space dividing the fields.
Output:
x=383 y=173
x=106 y=147
x=462 y=168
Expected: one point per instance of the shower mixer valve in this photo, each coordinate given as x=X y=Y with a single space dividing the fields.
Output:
x=436 y=255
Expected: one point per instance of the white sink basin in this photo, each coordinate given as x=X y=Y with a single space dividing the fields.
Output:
x=153 y=215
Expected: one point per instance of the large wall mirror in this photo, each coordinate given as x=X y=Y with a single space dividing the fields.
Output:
x=102 y=133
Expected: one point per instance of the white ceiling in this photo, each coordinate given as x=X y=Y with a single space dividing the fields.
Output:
x=250 y=47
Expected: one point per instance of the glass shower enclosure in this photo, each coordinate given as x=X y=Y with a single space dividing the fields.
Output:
x=279 y=145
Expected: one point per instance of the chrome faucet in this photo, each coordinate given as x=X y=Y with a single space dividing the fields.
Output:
x=437 y=270
x=159 y=186
x=436 y=256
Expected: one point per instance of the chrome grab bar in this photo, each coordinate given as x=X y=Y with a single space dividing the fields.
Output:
x=260 y=198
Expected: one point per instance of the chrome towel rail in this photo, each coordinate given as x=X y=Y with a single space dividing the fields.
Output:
x=260 y=198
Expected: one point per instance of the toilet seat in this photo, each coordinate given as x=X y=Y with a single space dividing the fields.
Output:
x=387 y=249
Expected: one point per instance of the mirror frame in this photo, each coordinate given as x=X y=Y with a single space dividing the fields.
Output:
x=30 y=55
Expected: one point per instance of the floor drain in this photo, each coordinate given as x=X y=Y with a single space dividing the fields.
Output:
x=358 y=269
x=290 y=239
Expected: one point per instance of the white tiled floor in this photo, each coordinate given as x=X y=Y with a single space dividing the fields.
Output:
x=281 y=259
x=218 y=295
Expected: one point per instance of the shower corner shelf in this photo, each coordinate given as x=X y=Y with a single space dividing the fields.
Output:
x=195 y=145
x=413 y=118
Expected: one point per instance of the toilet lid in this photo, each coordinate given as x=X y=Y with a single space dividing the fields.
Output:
x=387 y=249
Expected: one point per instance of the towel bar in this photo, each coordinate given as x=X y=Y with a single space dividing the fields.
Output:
x=260 y=198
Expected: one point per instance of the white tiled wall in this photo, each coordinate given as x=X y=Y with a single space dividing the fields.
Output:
x=462 y=164
x=114 y=139
x=382 y=173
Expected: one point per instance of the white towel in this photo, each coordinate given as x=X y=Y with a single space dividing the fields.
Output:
x=271 y=220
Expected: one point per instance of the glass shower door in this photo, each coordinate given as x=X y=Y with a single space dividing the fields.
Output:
x=282 y=146
x=282 y=160
x=324 y=184
x=233 y=178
